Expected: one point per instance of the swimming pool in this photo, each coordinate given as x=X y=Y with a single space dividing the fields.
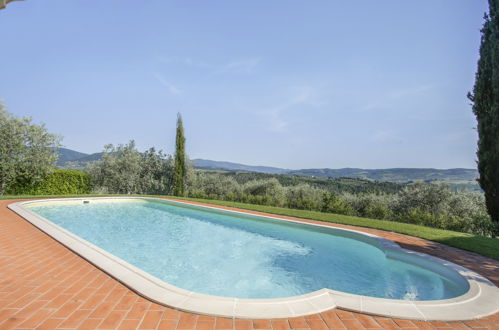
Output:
x=245 y=260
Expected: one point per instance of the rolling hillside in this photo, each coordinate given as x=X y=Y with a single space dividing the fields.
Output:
x=458 y=178
x=393 y=174
x=75 y=160
x=228 y=166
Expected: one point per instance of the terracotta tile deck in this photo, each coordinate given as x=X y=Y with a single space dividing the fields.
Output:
x=43 y=285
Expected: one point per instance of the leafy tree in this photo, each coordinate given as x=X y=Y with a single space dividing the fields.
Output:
x=485 y=102
x=304 y=197
x=156 y=172
x=267 y=191
x=119 y=169
x=125 y=170
x=27 y=151
x=204 y=185
x=429 y=198
x=180 y=171
x=332 y=203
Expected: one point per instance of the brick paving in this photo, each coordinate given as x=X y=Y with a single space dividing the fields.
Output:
x=44 y=285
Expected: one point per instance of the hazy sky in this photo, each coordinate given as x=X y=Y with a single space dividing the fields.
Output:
x=287 y=83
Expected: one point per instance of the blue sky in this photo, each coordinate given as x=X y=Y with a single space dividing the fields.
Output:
x=287 y=83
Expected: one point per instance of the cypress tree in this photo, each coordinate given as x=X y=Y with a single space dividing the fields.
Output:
x=485 y=102
x=180 y=171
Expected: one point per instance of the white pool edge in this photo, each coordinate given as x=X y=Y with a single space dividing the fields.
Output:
x=482 y=298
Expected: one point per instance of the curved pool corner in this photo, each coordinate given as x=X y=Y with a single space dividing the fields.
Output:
x=481 y=298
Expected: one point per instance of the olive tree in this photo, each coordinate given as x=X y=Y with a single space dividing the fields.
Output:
x=206 y=185
x=267 y=191
x=125 y=170
x=305 y=197
x=28 y=152
x=156 y=174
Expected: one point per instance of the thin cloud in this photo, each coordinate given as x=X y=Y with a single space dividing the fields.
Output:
x=245 y=66
x=186 y=61
x=239 y=66
x=274 y=115
x=411 y=91
x=381 y=136
x=460 y=136
x=398 y=94
x=172 y=89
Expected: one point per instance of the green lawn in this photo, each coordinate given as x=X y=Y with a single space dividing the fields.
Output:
x=485 y=246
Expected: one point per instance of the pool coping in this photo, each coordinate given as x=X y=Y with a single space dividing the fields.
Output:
x=482 y=298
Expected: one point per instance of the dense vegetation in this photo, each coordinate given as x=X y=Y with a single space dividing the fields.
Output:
x=27 y=151
x=337 y=185
x=457 y=178
x=125 y=170
x=58 y=182
x=424 y=204
x=485 y=99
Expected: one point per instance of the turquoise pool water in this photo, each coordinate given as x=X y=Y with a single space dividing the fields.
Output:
x=227 y=254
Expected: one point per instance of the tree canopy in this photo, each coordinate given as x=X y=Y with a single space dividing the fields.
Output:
x=485 y=102
x=125 y=170
x=27 y=152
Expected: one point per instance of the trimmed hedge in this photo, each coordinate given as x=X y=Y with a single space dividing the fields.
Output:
x=59 y=182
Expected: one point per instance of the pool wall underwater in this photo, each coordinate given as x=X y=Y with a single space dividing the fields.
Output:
x=481 y=298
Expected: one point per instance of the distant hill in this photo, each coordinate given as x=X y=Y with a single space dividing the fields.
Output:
x=459 y=178
x=393 y=174
x=228 y=166
x=68 y=155
x=401 y=175
x=91 y=157
x=71 y=159
x=456 y=178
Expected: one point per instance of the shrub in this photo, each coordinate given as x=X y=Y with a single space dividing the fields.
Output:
x=423 y=204
x=27 y=151
x=266 y=192
x=378 y=206
x=59 y=182
x=437 y=206
x=214 y=187
x=426 y=198
x=125 y=170
x=483 y=225
x=332 y=203
x=304 y=197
